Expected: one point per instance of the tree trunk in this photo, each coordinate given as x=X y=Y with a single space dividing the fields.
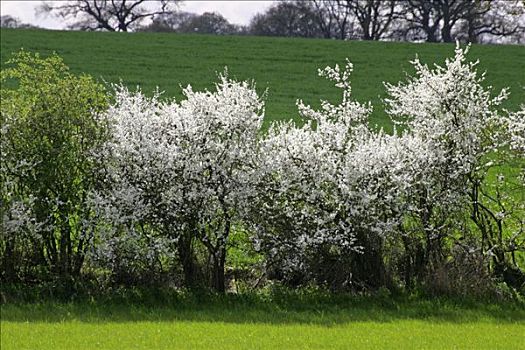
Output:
x=407 y=273
x=472 y=35
x=188 y=263
x=445 y=34
x=8 y=263
x=431 y=36
x=218 y=280
x=368 y=267
x=65 y=252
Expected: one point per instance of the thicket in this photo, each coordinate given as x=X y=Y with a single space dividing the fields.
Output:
x=120 y=189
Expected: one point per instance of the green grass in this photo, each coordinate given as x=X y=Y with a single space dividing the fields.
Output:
x=286 y=67
x=411 y=334
x=254 y=322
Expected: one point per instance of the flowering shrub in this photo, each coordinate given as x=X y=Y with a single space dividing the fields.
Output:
x=49 y=128
x=185 y=171
x=336 y=186
x=334 y=189
x=516 y=129
x=449 y=109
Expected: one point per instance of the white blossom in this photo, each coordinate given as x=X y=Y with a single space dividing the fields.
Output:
x=184 y=168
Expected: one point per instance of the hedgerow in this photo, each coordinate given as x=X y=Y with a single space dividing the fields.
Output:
x=141 y=188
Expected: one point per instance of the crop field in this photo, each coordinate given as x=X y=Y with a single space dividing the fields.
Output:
x=287 y=68
x=251 y=322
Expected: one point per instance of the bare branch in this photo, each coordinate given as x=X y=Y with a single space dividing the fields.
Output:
x=110 y=15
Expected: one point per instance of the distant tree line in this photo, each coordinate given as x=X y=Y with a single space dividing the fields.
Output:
x=476 y=21
x=8 y=21
x=187 y=22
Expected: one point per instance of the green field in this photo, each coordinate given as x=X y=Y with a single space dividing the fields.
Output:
x=286 y=67
x=241 y=322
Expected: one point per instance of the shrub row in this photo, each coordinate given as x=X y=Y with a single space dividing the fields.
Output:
x=141 y=189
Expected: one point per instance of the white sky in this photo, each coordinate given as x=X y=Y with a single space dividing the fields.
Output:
x=237 y=12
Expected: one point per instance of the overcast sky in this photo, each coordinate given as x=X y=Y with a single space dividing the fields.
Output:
x=238 y=12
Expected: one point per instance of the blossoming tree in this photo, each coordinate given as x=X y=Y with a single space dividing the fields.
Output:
x=186 y=169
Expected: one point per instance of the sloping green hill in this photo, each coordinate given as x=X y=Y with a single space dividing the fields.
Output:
x=287 y=67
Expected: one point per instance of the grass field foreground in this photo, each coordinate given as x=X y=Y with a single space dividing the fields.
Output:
x=237 y=322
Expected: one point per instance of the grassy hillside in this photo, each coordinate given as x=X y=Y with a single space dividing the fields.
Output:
x=286 y=67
